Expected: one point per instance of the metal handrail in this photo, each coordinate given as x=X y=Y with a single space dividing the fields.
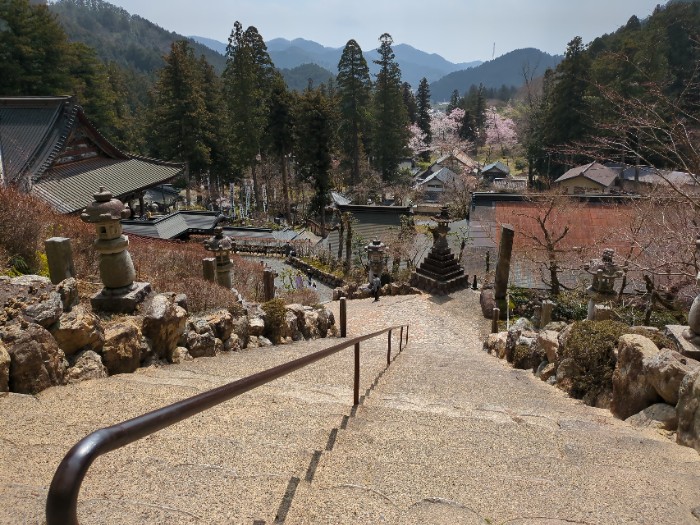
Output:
x=62 y=500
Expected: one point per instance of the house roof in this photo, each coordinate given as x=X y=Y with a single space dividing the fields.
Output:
x=49 y=147
x=650 y=175
x=594 y=171
x=444 y=175
x=496 y=166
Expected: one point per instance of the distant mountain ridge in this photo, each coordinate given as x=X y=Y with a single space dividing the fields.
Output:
x=414 y=64
x=505 y=70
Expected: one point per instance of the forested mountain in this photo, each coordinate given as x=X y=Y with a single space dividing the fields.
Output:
x=630 y=96
x=117 y=36
x=300 y=77
x=414 y=64
x=507 y=70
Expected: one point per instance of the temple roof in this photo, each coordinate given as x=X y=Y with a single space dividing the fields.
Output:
x=49 y=147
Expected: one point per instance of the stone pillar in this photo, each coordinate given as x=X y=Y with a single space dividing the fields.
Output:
x=209 y=269
x=221 y=245
x=547 y=307
x=503 y=266
x=60 y=258
x=268 y=285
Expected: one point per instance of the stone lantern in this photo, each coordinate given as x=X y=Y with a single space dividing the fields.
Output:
x=120 y=293
x=692 y=333
x=604 y=272
x=221 y=245
x=375 y=254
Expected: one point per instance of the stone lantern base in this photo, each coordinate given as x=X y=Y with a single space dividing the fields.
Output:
x=120 y=300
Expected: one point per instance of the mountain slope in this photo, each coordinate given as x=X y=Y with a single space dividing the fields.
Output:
x=505 y=70
x=117 y=36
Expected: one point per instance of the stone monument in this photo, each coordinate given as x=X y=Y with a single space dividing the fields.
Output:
x=440 y=273
x=602 y=289
x=120 y=293
x=221 y=245
x=375 y=253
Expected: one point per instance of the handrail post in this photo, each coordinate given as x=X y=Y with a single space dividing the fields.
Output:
x=356 y=389
x=388 y=349
x=343 y=317
x=401 y=340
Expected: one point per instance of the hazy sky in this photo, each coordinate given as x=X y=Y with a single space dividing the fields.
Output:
x=459 y=30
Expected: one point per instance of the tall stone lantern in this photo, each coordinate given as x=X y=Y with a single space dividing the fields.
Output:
x=221 y=245
x=692 y=333
x=602 y=288
x=120 y=293
x=375 y=254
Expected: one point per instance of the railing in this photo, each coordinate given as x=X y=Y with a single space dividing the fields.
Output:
x=62 y=500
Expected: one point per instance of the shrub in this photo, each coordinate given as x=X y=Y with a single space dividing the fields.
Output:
x=274 y=319
x=591 y=344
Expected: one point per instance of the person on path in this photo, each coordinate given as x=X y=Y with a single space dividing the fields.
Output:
x=376 y=285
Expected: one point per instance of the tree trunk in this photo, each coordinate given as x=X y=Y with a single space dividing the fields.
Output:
x=256 y=196
x=341 y=230
x=348 y=244
x=285 y=189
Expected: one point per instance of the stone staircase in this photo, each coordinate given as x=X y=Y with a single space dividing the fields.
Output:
x=447 y=434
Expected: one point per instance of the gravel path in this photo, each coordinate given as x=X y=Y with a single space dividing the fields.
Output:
x=448 y=434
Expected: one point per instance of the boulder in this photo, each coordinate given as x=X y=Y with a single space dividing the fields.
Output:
x=564 y=334
x=180 y=355
x=264 y=341
x=324 y=321
x=548 y=342
x=496 y=344
x=487 y=300
x=68 y=290
x=232 y=344
x=4 y=369
x=256 y=326
x=200 y=340
x=121 y=353
x=46 y=310
x=525 y=354
x=632 y=390
x=78 y=330
x=291 y=326
x=86 y=365
x=546 y=370
x=36 y=361
x=688 y=410
x=665 y=372
x=556 y=326
x=163 y=324
x=221 y=323
x=660 y=416
x=567 y=371
x=310 y=326
x=523 y=324
x=241 y=329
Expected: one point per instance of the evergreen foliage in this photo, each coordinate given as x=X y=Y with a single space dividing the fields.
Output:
x=423 y=109
x=354 y=94
x=391 y=120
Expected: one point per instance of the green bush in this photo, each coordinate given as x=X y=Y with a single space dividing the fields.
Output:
x=274 y=320
x=591 y=344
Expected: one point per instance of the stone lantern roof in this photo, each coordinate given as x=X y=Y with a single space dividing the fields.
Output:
x=104 y=208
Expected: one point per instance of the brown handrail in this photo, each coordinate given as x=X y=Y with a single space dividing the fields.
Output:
x=62 y=500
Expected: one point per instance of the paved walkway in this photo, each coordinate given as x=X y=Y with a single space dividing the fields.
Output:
x=448 y=434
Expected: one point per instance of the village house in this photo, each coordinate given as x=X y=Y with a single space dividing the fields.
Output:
x=591 y=178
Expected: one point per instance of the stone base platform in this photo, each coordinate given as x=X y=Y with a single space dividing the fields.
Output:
x=685 y=347
x=438 y=287
x=118 y=302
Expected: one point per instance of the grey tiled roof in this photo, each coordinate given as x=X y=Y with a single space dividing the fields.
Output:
x=594 y=171
x=34 y=134
x=70 y=188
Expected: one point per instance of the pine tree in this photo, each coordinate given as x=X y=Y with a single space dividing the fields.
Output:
x=314 y=142
x=179 y=124
x=455 y=101
x=391 y=132
x=247 y=85
x=354 y=89
x=280 y=132
x=409 y=100
x=423 y=113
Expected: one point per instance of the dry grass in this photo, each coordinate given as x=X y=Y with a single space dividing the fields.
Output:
x=26 y=222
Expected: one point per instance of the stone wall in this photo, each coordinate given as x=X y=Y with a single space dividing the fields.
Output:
x=47 y=338
x=642 y=377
